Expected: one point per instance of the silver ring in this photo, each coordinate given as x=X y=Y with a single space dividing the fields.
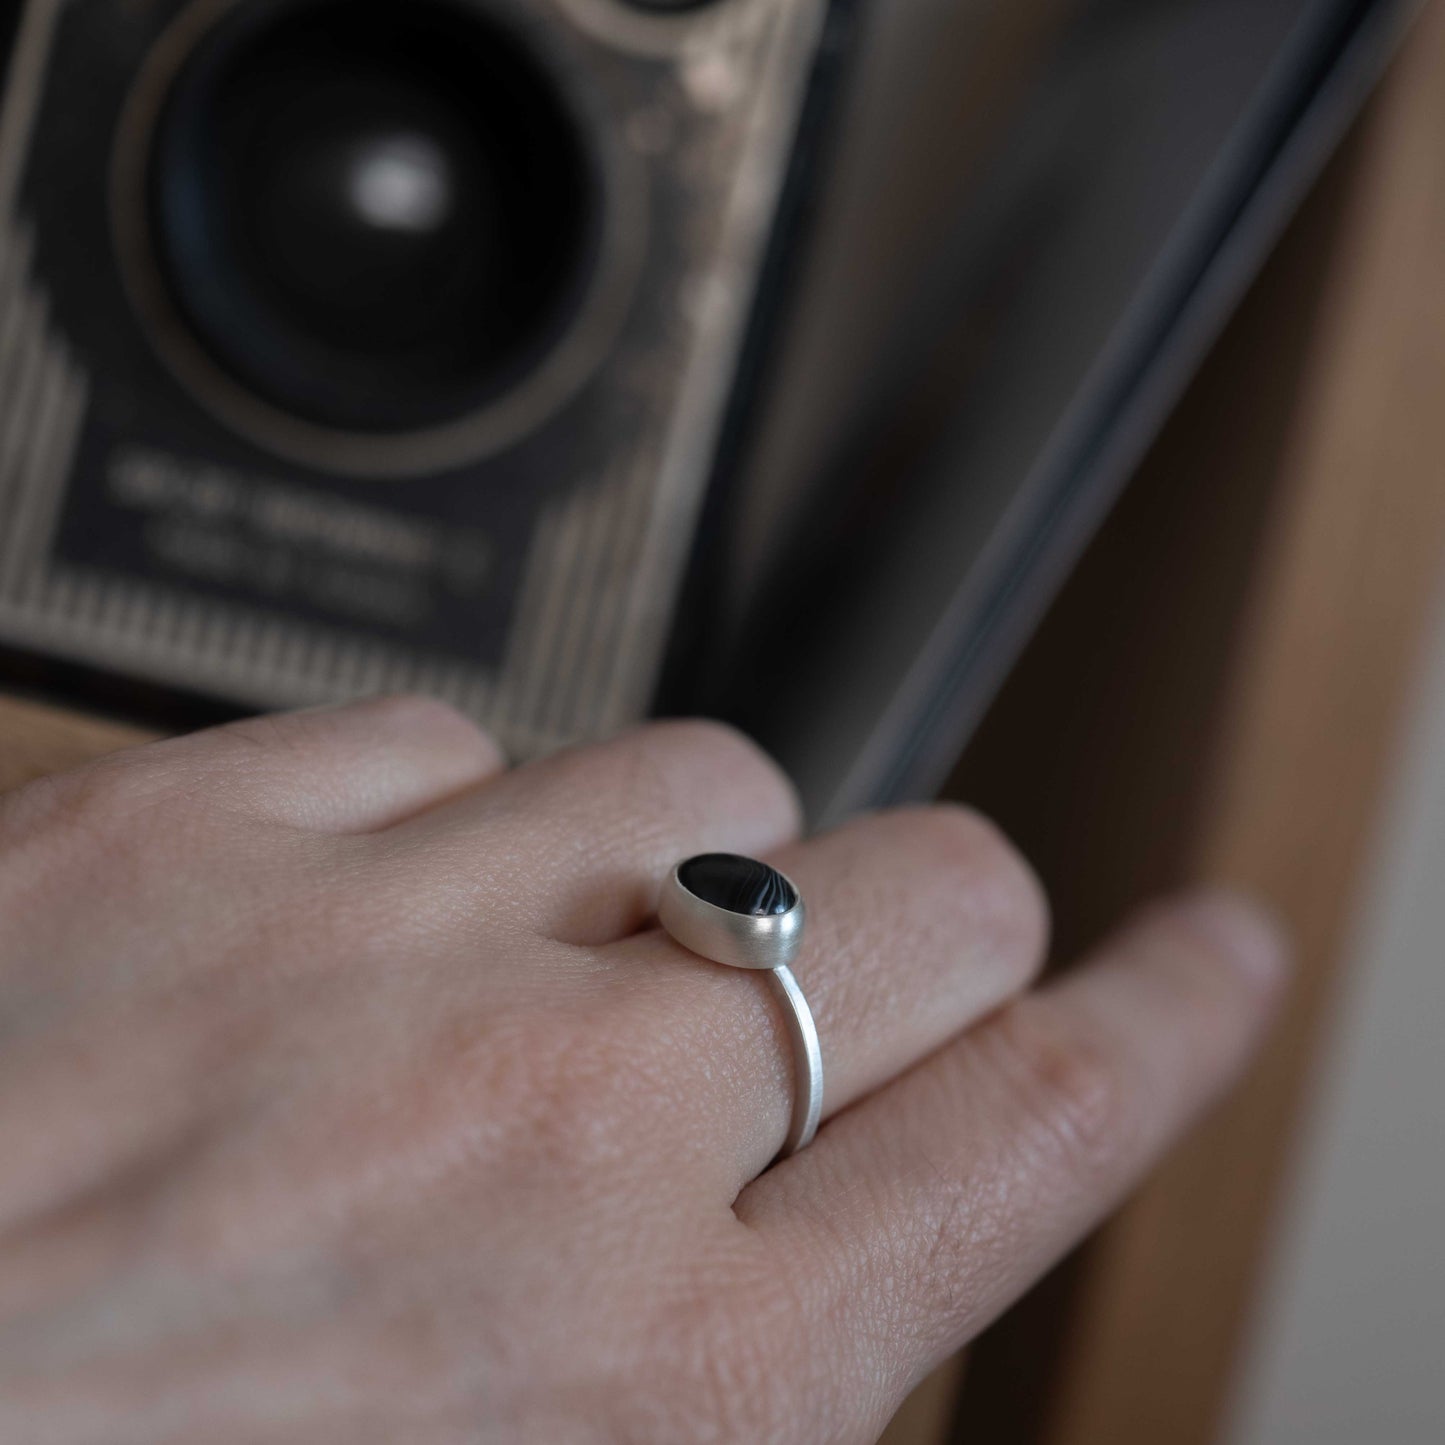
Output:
x=743 y=913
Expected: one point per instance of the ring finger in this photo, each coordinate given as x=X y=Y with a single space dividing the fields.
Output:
x=921 y=921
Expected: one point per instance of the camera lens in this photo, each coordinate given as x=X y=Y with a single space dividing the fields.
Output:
x=378 y=215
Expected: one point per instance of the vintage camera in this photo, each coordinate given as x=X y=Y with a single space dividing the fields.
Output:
x=574 y=358
x=372 y=344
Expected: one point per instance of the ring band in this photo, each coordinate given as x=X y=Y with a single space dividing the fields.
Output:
x=743 y=913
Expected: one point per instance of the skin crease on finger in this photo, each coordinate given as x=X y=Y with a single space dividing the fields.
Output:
x=316 y=1132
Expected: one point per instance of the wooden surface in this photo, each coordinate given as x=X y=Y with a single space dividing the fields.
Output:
x=1217 y=696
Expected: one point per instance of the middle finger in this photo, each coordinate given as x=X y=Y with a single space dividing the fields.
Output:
x=572 y=846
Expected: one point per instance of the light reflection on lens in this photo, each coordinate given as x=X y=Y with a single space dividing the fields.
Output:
x=401 y=183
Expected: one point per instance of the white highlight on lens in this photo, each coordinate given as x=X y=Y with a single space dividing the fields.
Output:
x=401 y=183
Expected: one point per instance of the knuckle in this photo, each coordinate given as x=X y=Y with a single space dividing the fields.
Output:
x=706 y=735
x=230 y=762
x=422 y=707
x=1072 y=1088
x=246 y=748
x=263 y=730
x=717 y=750
x=237 y=756
x=422 y=713
x=1003 y=899
x=390 y=715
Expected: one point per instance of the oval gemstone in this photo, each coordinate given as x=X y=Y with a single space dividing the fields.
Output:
x=741 y=885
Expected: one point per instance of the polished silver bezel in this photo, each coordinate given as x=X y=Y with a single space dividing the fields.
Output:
x=739 y=940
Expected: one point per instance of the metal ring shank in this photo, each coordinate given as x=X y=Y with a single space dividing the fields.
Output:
x=807 y=1060
x=766 y=943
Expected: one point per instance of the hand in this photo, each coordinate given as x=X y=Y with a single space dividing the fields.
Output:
x=346 y=1093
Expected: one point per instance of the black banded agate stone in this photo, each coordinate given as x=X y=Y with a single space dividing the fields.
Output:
x=741 y=885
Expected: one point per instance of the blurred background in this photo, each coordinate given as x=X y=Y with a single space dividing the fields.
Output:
x=1035 y=402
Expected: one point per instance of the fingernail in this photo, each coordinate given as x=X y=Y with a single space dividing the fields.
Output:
x=1245 y=932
